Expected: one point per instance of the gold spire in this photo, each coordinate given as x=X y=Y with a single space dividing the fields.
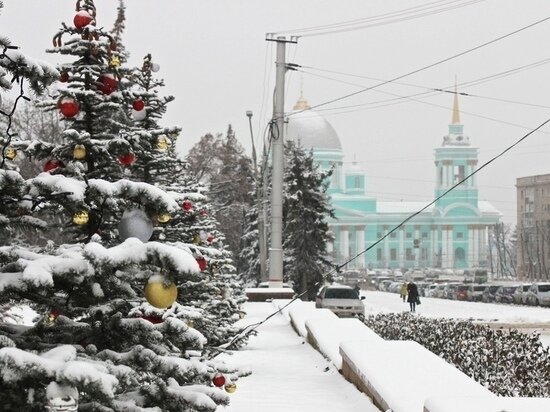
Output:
x=456 y=110
x=302 y=103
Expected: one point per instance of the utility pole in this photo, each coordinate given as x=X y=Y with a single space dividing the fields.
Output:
x=277 y=160
x=260 y=193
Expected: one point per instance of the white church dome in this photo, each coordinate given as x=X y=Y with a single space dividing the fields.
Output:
x=310 y=129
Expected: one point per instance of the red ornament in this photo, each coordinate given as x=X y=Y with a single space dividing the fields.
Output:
x=138 y=105
x=54 y=313
x=203 y=213
x=210 y=238
x=187 y=205
x=108 y=83
x=82 y=19
x=53 y=164
x=202 y=263
x=68 y=106
x=64 y=77
x=127 y=159
x=153 y=319
x=218 y=380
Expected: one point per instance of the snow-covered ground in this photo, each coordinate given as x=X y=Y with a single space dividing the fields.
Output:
x=287 y=373
x=526 y=318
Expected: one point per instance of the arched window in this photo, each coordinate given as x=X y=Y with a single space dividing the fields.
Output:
x=460 y=254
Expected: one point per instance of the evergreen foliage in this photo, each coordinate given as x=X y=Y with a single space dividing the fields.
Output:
x=509 y=363
x=305 y=229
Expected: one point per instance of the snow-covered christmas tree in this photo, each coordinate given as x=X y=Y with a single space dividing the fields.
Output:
x=111 y=336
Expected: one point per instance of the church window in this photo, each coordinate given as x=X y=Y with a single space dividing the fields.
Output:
x=440 y=176
x=379 y=254
x=459 y=173
x=424 y=253
x=424 y=235
x=460 y=254
x=393 y=254
x=409 y=235
x=393 y=235
x=357 y=182
x=379 y=235
x=460 y=235
x=409 y=255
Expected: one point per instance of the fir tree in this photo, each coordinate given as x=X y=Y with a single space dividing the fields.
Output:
x=305 y=229
x=99 y=343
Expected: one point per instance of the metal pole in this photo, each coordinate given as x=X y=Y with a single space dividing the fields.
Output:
x=260 y=193
x=277 y=137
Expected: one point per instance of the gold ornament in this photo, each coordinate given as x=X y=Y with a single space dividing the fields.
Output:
x=163 y=143
x=160 y=294
x=190 y=323
x=163 y=218
x=196 y=240
x=230 y=387
x=10 y=153
x=81 y=218
x=79 y=152
x=114 y=62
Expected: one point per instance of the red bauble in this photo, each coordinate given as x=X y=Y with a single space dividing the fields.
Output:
x=187 y=205
x=153 y=319
x=64 y=77
x=82 y=19
x=203 y=213
x=202 y=263
x=54 y=313
x=53 y=164
x=68 y=106
x=138 y=105
x=210 y=238
x=127 y=159
x=218 y=380
x=108 y=83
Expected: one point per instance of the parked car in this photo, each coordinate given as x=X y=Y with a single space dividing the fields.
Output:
x=505 y=294
x=462 y=292
x=340 y=299
x=475 y=292
x=450 y=290
x=489 y=293
x=520 y=295
x=437 y=292
x=428 y=290
x=383 y=286
x=538 y=294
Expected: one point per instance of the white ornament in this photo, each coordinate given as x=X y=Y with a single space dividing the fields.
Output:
x=139 y=114
x=61 y=398
x=155 y=67
x=203 y=235
x=135 y=223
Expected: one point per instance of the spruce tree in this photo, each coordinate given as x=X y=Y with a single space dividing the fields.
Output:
x=305 y=229
x=99 y=343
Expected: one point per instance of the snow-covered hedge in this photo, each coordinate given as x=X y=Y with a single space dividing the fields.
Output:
x=509 y=363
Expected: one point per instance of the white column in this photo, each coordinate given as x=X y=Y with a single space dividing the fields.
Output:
x=475 y=246
x=360 y=245
x=444 y=247
x=451 y=248
x=344 y=242
x=433 y=246
x=483 y=242
x=470 y=257
x=386 y=247
x=401 y=250
x=330 y=247
x=418 y=250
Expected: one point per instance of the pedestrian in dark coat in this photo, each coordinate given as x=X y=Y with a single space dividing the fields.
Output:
x=413 y=295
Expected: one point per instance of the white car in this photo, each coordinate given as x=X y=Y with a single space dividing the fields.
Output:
x=343 y=300
x=538 y=294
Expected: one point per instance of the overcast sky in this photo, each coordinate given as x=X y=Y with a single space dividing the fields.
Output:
x=216 y=62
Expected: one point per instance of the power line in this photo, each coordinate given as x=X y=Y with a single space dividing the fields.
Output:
x=425 y=67
x=410 y=13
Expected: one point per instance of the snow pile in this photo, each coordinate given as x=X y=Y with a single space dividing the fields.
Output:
x=461 y=404
x=508 y=363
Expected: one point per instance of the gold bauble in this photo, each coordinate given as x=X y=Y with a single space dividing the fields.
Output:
x=230 y=387
x=81 y=218
x=163 y=143
x=190 y=323
x=10 y=153
x=163 y=218
x=196 y=240
x=79 y=152
x=114 y=62
x=160 y=294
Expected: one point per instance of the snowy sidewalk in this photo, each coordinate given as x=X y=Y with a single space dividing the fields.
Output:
x=287 y=373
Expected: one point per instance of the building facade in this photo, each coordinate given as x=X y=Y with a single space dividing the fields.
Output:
x=450 y=234
x=533 y=228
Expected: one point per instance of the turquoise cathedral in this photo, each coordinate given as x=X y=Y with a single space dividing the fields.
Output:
x=451 y=234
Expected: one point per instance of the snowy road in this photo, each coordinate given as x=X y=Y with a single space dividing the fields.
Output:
x=288 y=374
x=525 y=318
